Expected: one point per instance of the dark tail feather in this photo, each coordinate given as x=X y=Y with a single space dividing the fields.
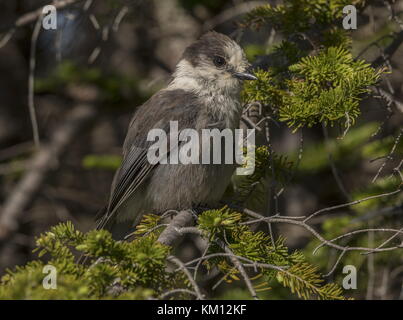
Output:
x=101 y=218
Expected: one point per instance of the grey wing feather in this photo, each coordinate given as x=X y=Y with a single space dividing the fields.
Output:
x=135 y=168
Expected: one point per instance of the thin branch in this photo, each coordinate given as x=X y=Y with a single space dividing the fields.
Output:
x=31 y=81
x=188 y=274
x=349 y=234
x=225 y=254
x=335 y=172
x=387 y=241
x=371 y=270
x=352 y=203
x=318 y=235
x=390 y=50
x=200 y=261
x=119 y=17
x=390 y=99
x=336 y=264
x=241 y=269
x=389 y=156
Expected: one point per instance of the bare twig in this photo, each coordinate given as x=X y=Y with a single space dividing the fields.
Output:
x=371 y=270
x=119 y=17
x=188 y=274
x=226 y=254
x=201 y=260
x=175 y=291
x=389 y=156
x=318 y=235
x=390 y=50
x=6 y=38
x=387 y=240
x=393 y=16
x=271 y=190
x=350 y=203
x=336 y=264
x=31 y=81
x=335 y=172
x=370 y=230
x=390 y=99
x=241 y=269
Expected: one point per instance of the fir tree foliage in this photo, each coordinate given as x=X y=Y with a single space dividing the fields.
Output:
x=302 y=278
x=318 y=79
x=138 y=269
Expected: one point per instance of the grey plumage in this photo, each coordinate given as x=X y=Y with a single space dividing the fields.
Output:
x=203 y=93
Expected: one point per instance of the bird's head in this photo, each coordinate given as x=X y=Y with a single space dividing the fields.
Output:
x=214 y=61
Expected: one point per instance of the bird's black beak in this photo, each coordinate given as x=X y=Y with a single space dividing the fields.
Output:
x=244 y=76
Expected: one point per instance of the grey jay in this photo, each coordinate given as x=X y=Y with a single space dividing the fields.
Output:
x=204 y=92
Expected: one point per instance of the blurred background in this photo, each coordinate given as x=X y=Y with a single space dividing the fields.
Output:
x=85 y=79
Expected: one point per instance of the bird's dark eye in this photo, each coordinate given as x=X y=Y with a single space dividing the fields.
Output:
x=219 y=61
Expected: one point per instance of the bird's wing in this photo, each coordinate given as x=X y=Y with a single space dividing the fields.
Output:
x=157 y=112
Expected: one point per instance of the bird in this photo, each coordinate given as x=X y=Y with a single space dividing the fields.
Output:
x=202 y=93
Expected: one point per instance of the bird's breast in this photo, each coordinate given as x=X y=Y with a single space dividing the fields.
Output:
x=223 y=111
